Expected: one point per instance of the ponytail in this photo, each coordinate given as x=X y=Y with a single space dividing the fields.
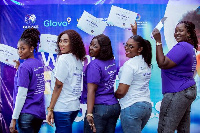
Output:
x=147 y=50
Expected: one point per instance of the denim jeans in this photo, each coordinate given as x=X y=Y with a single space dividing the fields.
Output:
x=175 y=111
x=105 y=118
x=28 y=123
x=135 y=117
x=64 y=120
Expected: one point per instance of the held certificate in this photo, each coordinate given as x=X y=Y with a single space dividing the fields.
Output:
x=8 y=54
x=48 y=44
x=121 y=17
x=91 y=25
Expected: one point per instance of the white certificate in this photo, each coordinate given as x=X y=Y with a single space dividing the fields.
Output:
x=160 y=25
x=48 y=43
x=121 y=17
x=8 y=54
x=91 y=25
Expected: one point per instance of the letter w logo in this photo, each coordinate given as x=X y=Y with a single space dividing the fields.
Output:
x=46 y=62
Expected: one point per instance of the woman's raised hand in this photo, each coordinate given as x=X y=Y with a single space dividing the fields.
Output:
x=156 y=34
x=134 y=28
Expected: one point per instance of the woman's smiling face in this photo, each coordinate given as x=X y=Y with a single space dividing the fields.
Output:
x=64 y=44
x=132 y=49
x=181 y=33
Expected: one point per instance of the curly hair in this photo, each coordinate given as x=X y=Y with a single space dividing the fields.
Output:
x=192 y=39
x=31 y=37
x=106 y=51
x=76 y=43
x=147 y=50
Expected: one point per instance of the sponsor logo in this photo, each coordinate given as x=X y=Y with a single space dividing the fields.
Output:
x=30 y=20
x=51 y=23
x=138 y=17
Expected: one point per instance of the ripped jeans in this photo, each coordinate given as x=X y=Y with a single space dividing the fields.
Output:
x=175 y=111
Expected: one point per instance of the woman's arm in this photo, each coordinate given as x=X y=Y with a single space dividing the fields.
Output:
x=20 y=100
x=122 y=90
x=163 y=61
x=90 y=104
x=56 y=93
x=91 y=97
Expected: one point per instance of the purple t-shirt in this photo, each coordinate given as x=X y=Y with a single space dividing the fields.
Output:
x=103 y=74
x=179 y=77
x=30 y=74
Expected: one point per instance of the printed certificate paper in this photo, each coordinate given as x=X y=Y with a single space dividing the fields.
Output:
x=121 y=17
x=8 y=54
x=91 y=25
x=48 y=43
x=160 y=25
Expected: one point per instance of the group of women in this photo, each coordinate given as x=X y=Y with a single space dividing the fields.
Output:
x=103 y=107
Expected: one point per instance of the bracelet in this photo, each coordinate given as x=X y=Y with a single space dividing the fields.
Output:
x=158 y=43
x=90 y=115
x=49 y=109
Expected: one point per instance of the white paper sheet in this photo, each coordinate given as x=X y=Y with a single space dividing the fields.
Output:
x=91 y=25
x=48 y=43
x=121 y=17
x=8 y=54
x=160 y=25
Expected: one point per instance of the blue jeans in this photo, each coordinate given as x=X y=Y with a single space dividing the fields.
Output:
x=105 y=118
x=28 y=123
x=175 y=111
x=64 y=120
x=135 y=117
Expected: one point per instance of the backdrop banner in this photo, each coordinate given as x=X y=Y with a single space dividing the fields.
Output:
x=54 y=16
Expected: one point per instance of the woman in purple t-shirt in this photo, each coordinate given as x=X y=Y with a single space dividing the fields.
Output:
x=178 y=85
x=28 y=95
x=103 y=108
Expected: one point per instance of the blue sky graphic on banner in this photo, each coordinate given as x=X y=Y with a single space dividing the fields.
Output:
x=54 y=16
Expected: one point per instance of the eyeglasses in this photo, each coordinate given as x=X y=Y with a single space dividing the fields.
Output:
x=128 y=46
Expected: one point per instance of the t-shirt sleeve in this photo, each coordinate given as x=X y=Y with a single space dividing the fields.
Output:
x=62 y=69
x=127 y=74
x=177 y=53
x=23 y=79
x=93 y=73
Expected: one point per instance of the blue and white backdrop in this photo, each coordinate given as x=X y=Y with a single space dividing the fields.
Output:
x=54 y=16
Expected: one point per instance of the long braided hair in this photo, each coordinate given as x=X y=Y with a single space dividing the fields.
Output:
x=192 y=39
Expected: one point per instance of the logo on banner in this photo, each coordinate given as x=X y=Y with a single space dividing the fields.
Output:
x=138 y=17
x=30 y=20
x=52 y=23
